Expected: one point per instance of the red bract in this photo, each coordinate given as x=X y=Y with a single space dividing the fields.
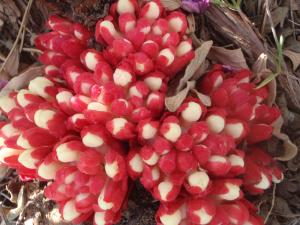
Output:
x=66 y=126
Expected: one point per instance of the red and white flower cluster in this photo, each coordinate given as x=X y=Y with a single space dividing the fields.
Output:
x=64 y=127
x=70 y=125
x=190 y=162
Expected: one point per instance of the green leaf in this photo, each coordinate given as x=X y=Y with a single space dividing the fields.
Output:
x=267 y=80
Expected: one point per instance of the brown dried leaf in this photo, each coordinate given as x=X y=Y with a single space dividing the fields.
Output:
x=294 y=57
x=12 y=63
x=11 y=10
x=290 y=149
x=191 y=24
x=278 y=16
x=272 y=85
x=14 y=213
x=261 y=72
x=3 y=171
x=202 y=70
x=23 y=79
x=205 y=99
x=225 y=56
x=172 y=103
x=171 y=4
x=292 y=44
x=194 y=66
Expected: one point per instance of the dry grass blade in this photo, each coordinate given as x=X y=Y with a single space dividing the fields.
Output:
x=24 y=20
x=272 y=204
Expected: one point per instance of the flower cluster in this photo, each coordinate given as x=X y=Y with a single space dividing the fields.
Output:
x=191 y=157
x=74 y=125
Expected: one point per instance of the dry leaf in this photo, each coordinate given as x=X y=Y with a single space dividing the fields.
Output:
x=191 y=24
x=260 y=64
x=261 y=72
x=294 y=57
x=14 y=213
x=195 y=64
x=234 y=58
x=171 y=4
x=12 y=64
x=202 y=70
x=272 y=85
x=3 y=171
x=290 y=149
x=205 y=99
x=23 y=79
x=278 y=16
x=292 y=44
x=172 y=103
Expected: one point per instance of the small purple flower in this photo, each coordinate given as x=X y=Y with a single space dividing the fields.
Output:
x=3 y=83
x=195 y=6
x=231 y=69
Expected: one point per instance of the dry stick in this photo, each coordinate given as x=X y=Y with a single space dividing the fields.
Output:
x=272 y=204
x=287 y=215
x=32 y=50
x=2 y=215
x=24 y=19
x=263 y=25
x=22 y=38
x=293 y=24
x=26 y=28
x=2 y=57
x=271 y=21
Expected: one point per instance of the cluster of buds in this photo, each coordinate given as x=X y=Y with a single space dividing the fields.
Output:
x=88 y=167
x=66 y=127
x=126 y=82
x=180 y=151
x=192 y=154
x=237 y=106
x=261 y=171
x=207 y=211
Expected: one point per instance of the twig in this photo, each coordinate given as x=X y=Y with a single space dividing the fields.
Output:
x=279 y=46
x=2 y=57
x=26 y=28
x=3 y=215
x=32 y=50
x=268 y=12
x=293 y=24
x=263 y=24
x=22 y=39
x=24 y=19
x=287 y=215
x=272 y=204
